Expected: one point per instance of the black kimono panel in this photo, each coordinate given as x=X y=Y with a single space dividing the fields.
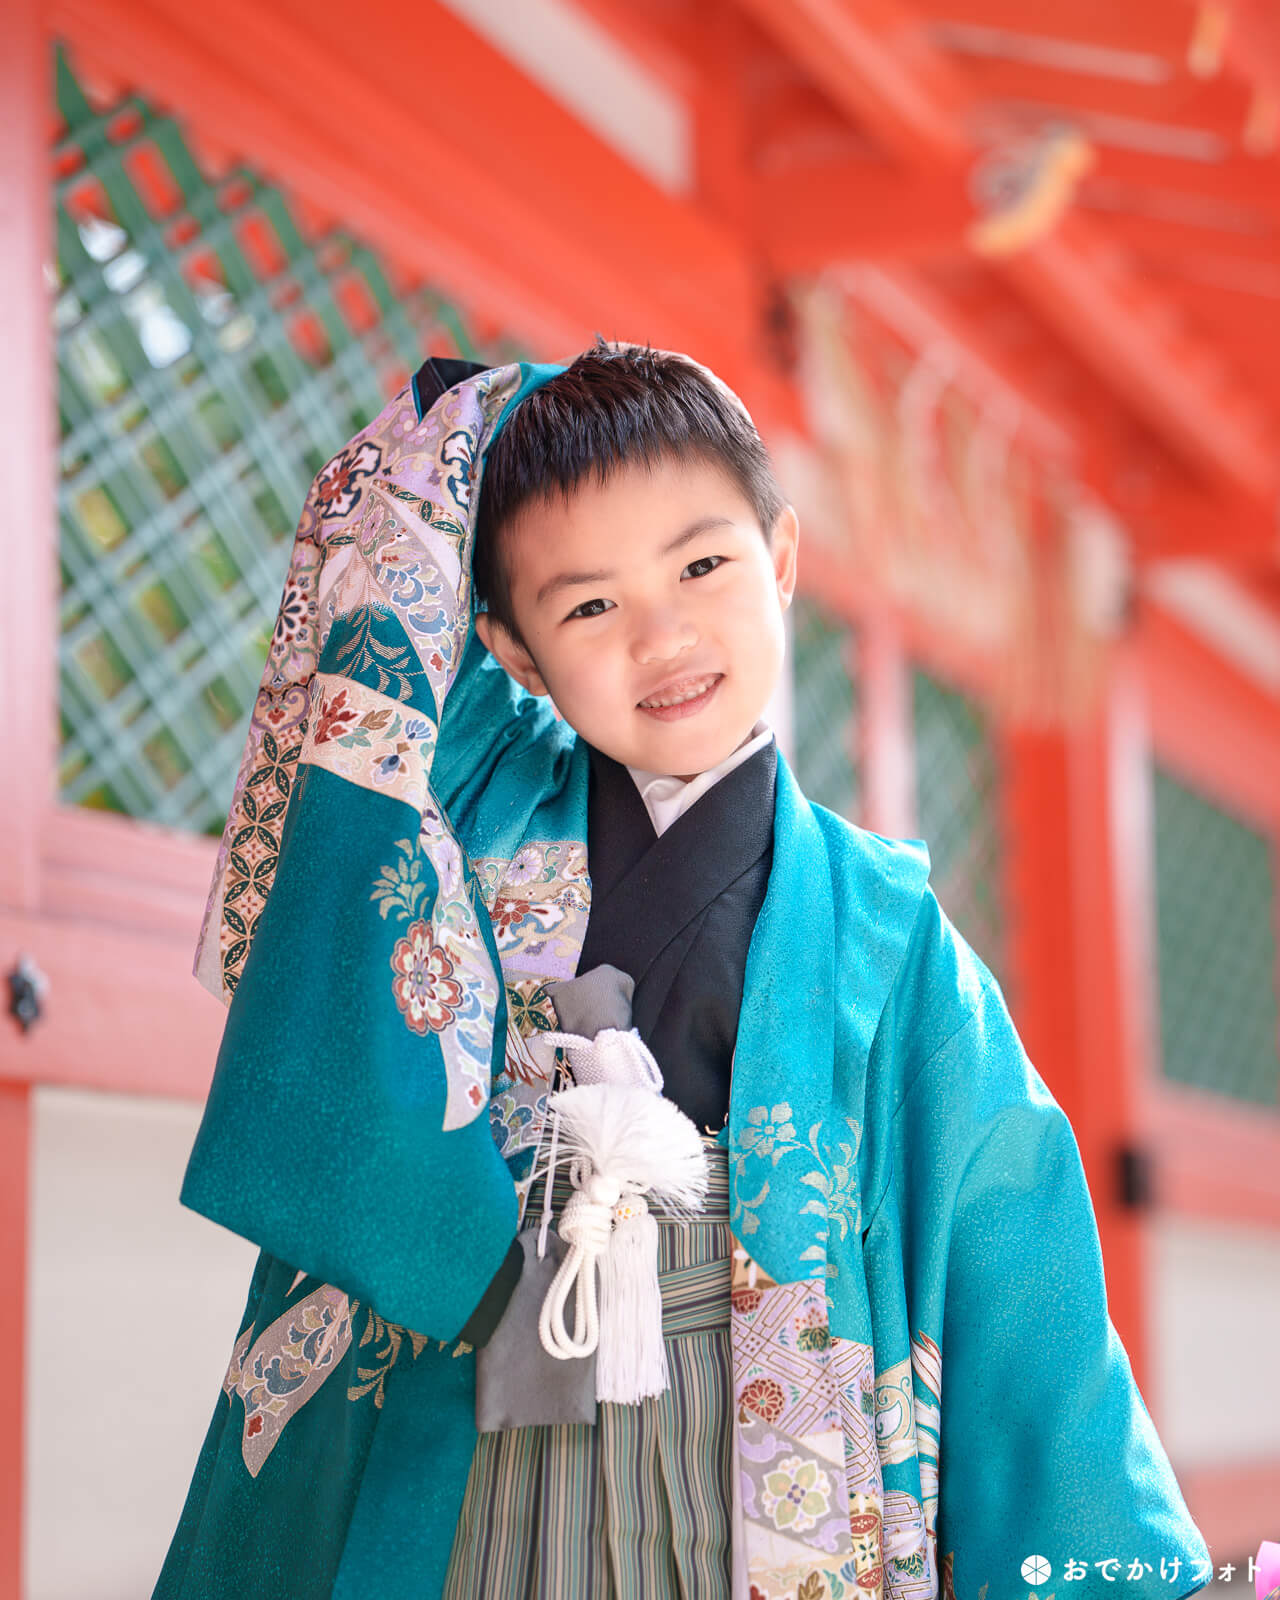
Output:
x=676 y=911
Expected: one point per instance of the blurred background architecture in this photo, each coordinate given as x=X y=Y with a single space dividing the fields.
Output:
x=1000 y=282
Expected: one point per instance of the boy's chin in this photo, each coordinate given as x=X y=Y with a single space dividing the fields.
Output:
x=682 y=751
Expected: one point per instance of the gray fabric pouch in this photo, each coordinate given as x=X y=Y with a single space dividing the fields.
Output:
x=595 y=1000
x=518 y=1384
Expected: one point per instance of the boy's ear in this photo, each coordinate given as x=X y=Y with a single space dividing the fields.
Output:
x=783 y=547
x=510 y=653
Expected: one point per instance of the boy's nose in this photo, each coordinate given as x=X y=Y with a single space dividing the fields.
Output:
x=662 y=637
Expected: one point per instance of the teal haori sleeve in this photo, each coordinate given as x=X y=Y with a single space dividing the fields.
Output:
x=1050 y=1470
x=347 y=1129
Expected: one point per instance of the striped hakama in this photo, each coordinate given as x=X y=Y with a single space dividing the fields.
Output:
x=636 y=1505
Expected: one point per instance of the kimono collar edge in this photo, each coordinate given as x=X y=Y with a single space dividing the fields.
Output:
x=841 y=902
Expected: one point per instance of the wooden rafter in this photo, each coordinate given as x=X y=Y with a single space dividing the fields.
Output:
x=875 y=61
x=1160 y=28
x=1218 y=105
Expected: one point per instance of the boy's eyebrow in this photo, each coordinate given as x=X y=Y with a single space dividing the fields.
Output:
x=569 y=580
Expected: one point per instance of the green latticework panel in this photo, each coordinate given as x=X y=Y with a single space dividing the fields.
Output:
x=217 y=342
x=1215 y=911
x=956 y=807
x=825 y=708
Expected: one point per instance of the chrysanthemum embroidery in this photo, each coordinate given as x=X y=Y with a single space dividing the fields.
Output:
x=425 y=988
x=762 y=1397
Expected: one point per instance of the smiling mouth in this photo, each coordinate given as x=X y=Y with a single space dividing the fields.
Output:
x=682 y=699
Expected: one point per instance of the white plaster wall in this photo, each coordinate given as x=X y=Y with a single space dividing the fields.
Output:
x=133 y=1306
x=1215 y=1305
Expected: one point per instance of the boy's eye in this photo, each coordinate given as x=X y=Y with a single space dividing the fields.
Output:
x=590 y=608
x=702 y=566
x=696 y=569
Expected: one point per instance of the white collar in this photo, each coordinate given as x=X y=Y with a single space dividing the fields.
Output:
x=666 y=797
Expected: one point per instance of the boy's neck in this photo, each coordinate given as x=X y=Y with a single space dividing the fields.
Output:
x=667 y=795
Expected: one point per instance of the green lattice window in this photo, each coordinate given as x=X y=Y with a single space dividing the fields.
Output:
x=825 y=707
x=217 y=341
x=956 y=808
x=1215 y=918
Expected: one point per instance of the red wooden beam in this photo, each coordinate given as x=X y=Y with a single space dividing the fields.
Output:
x=1210 y=723
x=1151 y=26
x=1118 y=326
x=854 y=210
x=1249 y=182
x=497 y=191
x=907 y=302
x=1216 y=105
x=122 y=1014
x=1165 y=512
x=28 y=597
x=874 y=61
x=1179 y=239
x=660 y=37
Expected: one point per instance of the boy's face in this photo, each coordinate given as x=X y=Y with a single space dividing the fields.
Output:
x=651 y=610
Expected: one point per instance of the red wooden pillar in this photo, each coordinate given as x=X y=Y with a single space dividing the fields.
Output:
x=1078 y=893
x=28 y=658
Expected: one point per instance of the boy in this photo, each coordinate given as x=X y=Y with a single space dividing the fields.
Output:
x=411 y=819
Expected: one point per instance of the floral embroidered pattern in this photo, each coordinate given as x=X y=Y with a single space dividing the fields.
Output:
x=443 y=980
x=926 y=1363
x=853 y=1365
x=908 y=1560
x=762 y=1397
x=287 y=1363
x=337 y=489
x=298 y=1351
x=425 y=989
x=378 y=544
x=538 y=903
x=369 y=740
x=767 y=1137
x=895 y=1413
x=249 y=850
x=539 y=912
x=530 y=1007
x=796 y=1493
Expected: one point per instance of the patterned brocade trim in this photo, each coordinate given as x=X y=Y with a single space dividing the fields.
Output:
x=369 y=739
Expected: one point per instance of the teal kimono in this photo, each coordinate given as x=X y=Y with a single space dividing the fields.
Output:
x=402 y=874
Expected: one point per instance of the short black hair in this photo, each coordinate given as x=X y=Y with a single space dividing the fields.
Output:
x=610 y=408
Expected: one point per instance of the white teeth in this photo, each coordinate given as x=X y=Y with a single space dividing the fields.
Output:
x=678 y=699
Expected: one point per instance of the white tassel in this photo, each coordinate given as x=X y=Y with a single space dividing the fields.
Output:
x=632 y=1361
x=631 y=1141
